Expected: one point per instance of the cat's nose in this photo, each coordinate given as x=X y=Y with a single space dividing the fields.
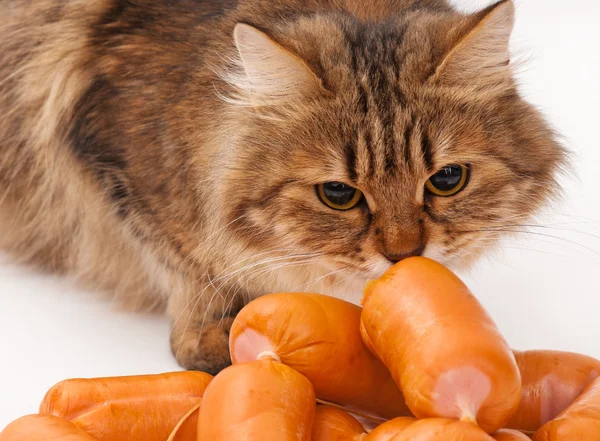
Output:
x=395 y=258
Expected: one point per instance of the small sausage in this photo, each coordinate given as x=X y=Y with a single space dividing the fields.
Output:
x=187 y=428
x=43 y=428
x=319 y=337
x=390 y=429
x=552 y=380
x=579 y=422
x=257 y=401
x=510 y=435
x=439 y=429
x=331 y=424
x=145 y=407
x=442 y=348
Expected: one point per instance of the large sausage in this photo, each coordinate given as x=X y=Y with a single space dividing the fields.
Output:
x=442 y=348
x=257 y=401
x=552 y=380
x=579 y=422
x=145 y=407
x=319 y=337
x=43 y=428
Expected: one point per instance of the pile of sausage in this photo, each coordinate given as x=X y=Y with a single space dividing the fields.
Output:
x=420 y=361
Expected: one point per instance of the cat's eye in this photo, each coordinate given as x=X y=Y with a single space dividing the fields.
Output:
x=448 y=181
x=339 y=196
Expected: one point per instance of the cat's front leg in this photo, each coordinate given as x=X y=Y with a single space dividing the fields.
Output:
x=200 y=329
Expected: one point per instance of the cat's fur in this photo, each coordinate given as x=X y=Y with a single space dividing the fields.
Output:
x=149 y=151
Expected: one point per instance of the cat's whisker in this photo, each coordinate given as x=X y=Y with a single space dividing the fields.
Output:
x=580 y=222
x=274 y=259
x=349 y=284
x=344 y=279
x=496 y=237
x=207 y=310
x=225 y=278
x=312 y=282
x=200 y=244
x=500 y=230
x=549 y=227
x=238 y=262
x=458 y=253
x=198 y=297
x=502 y=260
x=259 y=273
x=209 y=237
x=547 y=253
x=574 y=216
x=248 y=267
x=486 y=241
x=262 y=230
x=220 y=276
x=275 y=267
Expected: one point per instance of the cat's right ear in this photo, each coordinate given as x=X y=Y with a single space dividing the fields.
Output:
x=271 y=74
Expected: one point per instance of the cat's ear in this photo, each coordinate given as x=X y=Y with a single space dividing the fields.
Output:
x=482 y=56
x=272 y=74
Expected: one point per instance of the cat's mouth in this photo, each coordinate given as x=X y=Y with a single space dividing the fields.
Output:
x=377 y=265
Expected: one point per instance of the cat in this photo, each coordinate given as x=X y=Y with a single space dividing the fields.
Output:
x=188 y=156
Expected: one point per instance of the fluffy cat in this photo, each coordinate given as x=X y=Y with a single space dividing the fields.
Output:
x=191 y=155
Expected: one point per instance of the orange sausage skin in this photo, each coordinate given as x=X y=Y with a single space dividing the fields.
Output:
x=390 y=429
x=187 y=428
x=43 y=428
x=146 y=407
x=439 y=429
x=319 y=337
x=331 y=424
x=510 y=435
x=442 y=348
x=580 y=421
x=552 y=380
x=256 y=401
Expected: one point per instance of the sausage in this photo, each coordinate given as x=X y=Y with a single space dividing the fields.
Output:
x=331 y=424
x=145 y=407
x=442 y=348
x=187 y=428
x=319 y=337
x=390 y=429
x=43 y=428
x=552 y=380
x=510 y=435
x=256 y=401
x=580 y=421
x=438 y=429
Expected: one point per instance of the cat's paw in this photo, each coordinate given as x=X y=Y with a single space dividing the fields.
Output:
x=205 y=350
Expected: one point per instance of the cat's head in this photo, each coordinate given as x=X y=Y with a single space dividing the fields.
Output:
x=367 y=142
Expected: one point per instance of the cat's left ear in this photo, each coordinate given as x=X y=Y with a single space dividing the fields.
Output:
x=481 y=58
x=272 y=74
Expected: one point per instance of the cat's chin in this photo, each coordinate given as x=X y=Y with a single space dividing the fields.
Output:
x=436 y=253
x=454 y=261
x=347 y=288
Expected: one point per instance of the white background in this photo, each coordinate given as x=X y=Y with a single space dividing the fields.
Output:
x=543 y=291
